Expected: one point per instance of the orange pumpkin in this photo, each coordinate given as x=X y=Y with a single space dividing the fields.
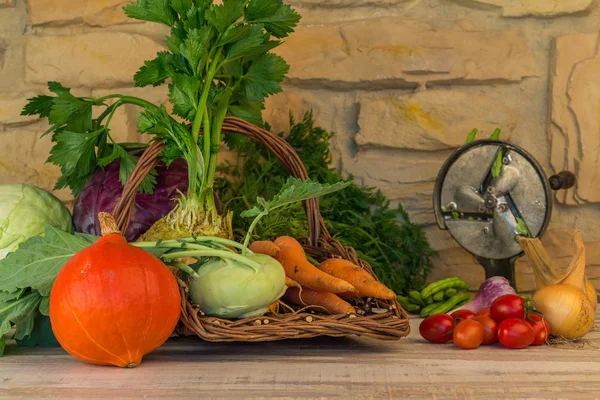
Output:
x=113 y=303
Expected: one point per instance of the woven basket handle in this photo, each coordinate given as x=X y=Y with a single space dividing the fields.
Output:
x=279 y=147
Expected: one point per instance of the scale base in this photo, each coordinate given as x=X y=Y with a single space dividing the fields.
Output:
x=504 y=267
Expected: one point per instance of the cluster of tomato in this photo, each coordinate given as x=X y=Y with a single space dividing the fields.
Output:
x=510 y=320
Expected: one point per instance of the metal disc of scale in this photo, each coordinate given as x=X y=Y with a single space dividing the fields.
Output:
x=486 y=194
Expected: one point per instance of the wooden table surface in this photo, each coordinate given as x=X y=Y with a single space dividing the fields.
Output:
x=324 y=368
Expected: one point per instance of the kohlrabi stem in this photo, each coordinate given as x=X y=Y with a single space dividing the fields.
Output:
x=249 y=233
x=174 y=243
x=213 y=253
x=185 y=268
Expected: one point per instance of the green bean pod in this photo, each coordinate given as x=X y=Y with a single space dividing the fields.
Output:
x=450 y=292
x=451 y=303
x=439 y=296
x=414 y=297
x=426 y=312
x=443 y=285
x=407 y=305
x=428 y=300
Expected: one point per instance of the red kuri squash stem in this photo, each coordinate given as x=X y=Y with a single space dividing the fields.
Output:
x=108 y=225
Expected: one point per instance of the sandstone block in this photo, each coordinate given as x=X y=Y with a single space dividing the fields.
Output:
x=100 y=60
x=278 y=108
x=7 y=3
x=404 y=177
x=457 y=262
x=397 y=52
x=416 y=198
x=374 y=168
x=91 y=12
x=24 y=156
x=575 y=129
x=346 y=3
x=430 y=120
x=11 y=105
x=536 y=8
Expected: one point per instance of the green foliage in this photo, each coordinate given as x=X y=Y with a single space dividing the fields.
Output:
x=358 y=216
x=26 y=278
x=218 y=63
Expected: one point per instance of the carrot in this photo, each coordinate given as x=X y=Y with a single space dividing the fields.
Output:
x=366 y=285
x=292 y=283
x=296 y=266
x=264 y=247
x=329 y=301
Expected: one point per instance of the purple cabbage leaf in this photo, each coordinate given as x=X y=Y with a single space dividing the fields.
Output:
x=104 y=189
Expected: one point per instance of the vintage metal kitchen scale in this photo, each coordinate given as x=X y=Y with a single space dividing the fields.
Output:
x=485 y=211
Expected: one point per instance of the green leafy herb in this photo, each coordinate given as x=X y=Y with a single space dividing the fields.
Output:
x=357 y=216
x=293 y=191
x=82 y=143
x=218 y=63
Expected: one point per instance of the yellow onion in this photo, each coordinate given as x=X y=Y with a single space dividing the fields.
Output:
x=568 y=311
x=566 y=305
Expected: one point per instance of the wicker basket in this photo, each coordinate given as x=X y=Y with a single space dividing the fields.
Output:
x=385 y=320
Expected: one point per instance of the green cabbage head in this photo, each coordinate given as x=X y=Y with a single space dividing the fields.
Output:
x=24 y=212
x=228 y=289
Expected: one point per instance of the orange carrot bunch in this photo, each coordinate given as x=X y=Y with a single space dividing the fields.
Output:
x=321 y=286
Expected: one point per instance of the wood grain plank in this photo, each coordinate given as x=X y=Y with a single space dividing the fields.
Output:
x=324 y=368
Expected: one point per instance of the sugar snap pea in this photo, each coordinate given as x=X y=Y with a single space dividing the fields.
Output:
x=433 y=288
x=426 y=312
x=414 y=296
x=451 y=303
x=407 y=305
x=439 y=296
x=450 y=292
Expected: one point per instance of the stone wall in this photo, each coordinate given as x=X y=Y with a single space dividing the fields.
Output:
x=401 y=82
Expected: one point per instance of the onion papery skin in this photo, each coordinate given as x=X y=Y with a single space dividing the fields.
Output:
x=591 y=294
x=567 y=309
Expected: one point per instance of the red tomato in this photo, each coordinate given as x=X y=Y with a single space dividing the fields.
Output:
x=463 y=314
x=490 y=327
x=484 y=311
x=468 y=334
x=437 y=328
x=507 y=306
x=515 y=333
x=540 y=326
